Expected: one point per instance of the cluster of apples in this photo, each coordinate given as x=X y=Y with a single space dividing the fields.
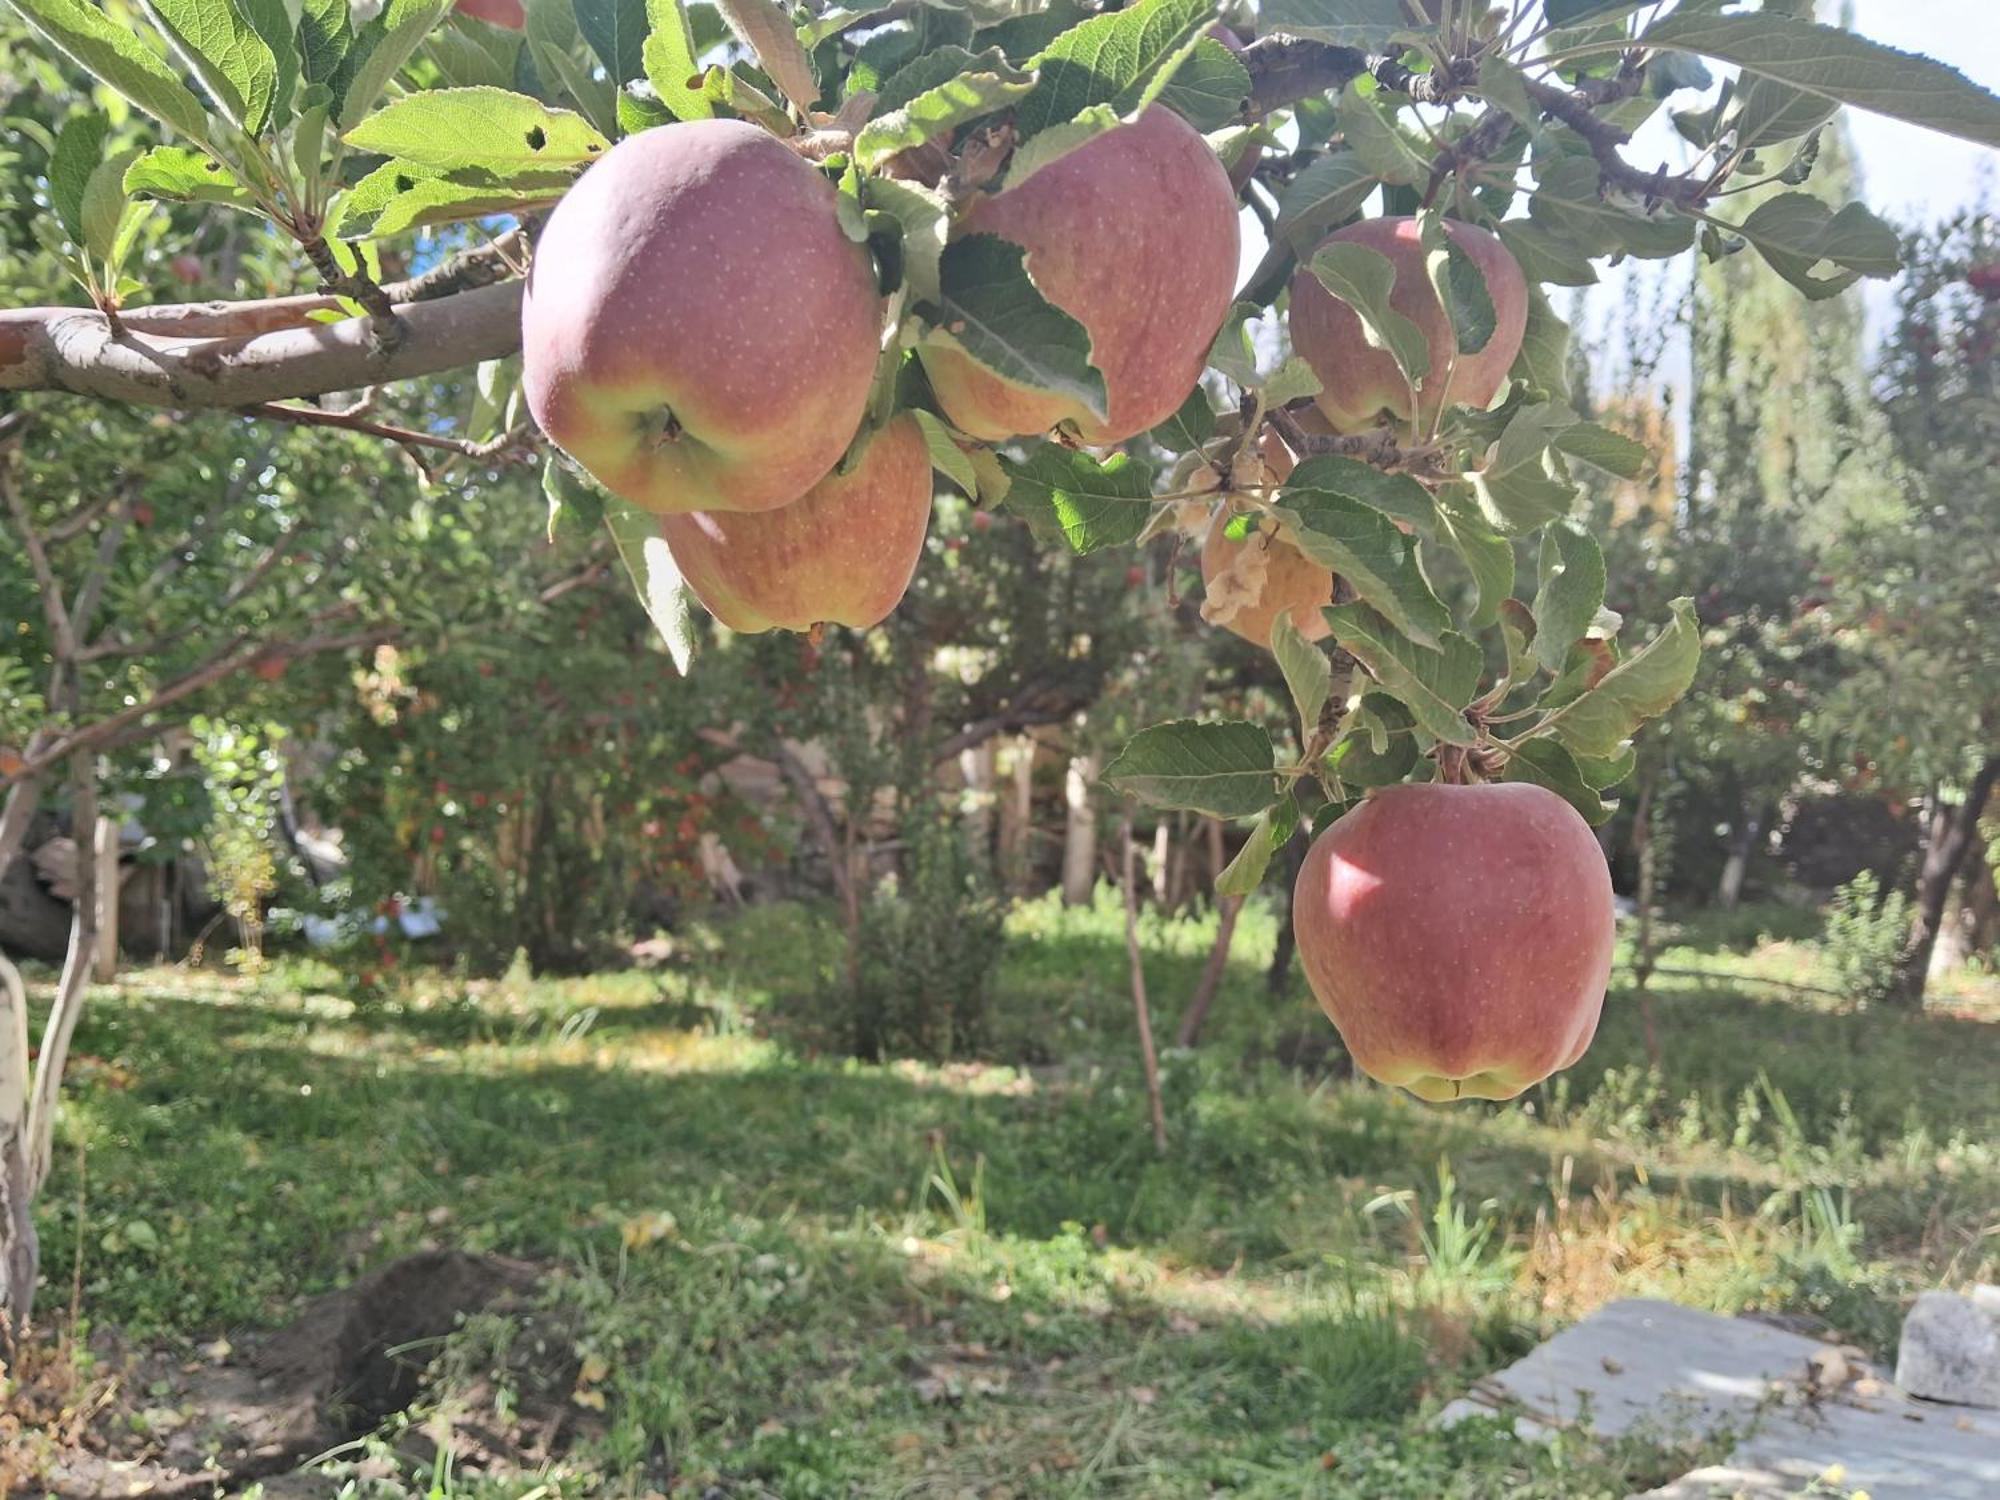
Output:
x=701 y=335
x=1361 y=388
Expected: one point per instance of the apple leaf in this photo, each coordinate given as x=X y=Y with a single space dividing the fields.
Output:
x=555 y=48
x=989 y=307
x=925 y=222
x=1208 y=89
x=937 y=94
x=1599 y=720
x=378 y=52
x=1570 y=595
x=667 y=600
x=1307 y=672
x=1227 y=769
x=183 y=175
x=1569 y=203
x=1435 y=685
x=115 y=53
x=616 y=31
x=1378 y=745
x=1090 y=504
x=1363 y=546
x=1188 y=428
x=1487 y=555
x=764 y=27
x=1232 y=353
x=1768 y=112
x=1547 y=257
x=492 y=130
x=1367 y=24
x=1523 y=485
x=1371 y=133
x=837 y=18
x=1542 y=364
x=325 y=37
x=1547 y=763
x=1833 y=63
x=1458 y=285
x=1506 y=87
x=1292 y=380
x=946 y=456
x=223 y=50
x=104 y=205
x=78 y=150
x=1270 y=833
x=1111 y=60
x=1604 y=449
x=401 y=195
x=1328 y=193
x=1797 y=234
x=1363 y=279
x=672 y=62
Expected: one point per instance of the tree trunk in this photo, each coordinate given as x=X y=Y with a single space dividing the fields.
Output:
x=1158 y=868
x=1953 y=833
x=23 y=797
x=977 y=767
x=20 y=1253
x=1742 y=844
x=1017 y=817
x=104 y=851
x=1147 y=1057
x=1079 y=867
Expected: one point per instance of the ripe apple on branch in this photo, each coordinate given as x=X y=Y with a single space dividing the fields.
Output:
x=772 y=273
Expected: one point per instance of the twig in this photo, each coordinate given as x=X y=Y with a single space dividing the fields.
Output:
x=305 y=416
x=1377 y=446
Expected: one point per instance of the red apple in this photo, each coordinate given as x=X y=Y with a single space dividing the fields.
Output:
x=1288 y=583
x=1134 y=235
x=1458 y=936
x=698 y=332
x=843 y=555
x=1362 y=382
x=507 y=13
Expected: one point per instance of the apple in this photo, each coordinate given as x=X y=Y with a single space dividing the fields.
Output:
x=1458 y=936
x=1134 y=235
x=697 y=331
x=1361 y=382
x=843 y=554
x=504 y=13
x=1287 y=582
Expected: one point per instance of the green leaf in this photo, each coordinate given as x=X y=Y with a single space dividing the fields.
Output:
x=1435 y=685
x=937 y=94
x=1523 y=485
x=1797 y=234
x=1506 y=87
x=379 y=51
x=104 y=204
x=1546 y=763
x=838 y=18
x=1225 y=769
x=1328 y=193
x=1363 y=279
x=926 y=224
x=616 y=31
x=1291 y=381
x=276 y=23
x=1768 y=112
x=1598 y=721
x=221 y=48
x=1210 y=88
x=1570 y=204
x=1109 y=59
x=670 y=60
x=1570 y=595
x=1607 y=771
x=186 y=176
x=1546 y=256
x=325 y=38
x=402 y=195
x=1569 y=12
x=88 y=37
x=764 y=27
x=1378 y=746
x=554 y=46
x=1232 y=353
x=1837 y=65
x=79 y=149
x=1487 y=555
x=656 y=577
x=947 y=457
x=1190 y=427
x=1367 y=24
x=1307 y=672
x=1459 y=285
x=990 y=308
x=1372 y=135
x=1543 y=363
x=1364 y=547
x=1270 y=833
x=490 y=130
x=1091 y=504
x=1604 y=449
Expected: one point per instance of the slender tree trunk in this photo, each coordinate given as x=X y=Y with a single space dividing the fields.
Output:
x=104 y=852
x=1742 y=844
x=1079 y=867
x=16 y=813
x=1017 y=816
x=1953 y=832
x=977 y=767
x=1158 y=868
x=1147 y=1056
x=20 y=1253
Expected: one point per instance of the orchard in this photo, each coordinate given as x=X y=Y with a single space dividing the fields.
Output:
x=607 y=431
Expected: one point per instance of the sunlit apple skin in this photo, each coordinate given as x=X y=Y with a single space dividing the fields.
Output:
x=505 y=13
x=1293 y=584
x=842 y=555
x=1361 y=383
x=1458 y=936
x=1134 y=235
x=698 y=332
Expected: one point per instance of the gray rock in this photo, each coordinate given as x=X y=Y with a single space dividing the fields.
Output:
x=1951 y=1349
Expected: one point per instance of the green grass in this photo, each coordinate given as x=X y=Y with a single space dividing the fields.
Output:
x=787 y=1273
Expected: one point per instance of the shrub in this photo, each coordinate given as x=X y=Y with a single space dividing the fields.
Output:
x=1865 y=930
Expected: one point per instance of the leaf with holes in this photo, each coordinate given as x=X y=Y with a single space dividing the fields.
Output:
x=671 y=63
x=1435 y=685
x=990 y=308
x=1226 y=769
x=492 y=130
x=181 y=175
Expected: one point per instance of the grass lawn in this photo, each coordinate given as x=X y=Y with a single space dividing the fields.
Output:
x=775 y=1272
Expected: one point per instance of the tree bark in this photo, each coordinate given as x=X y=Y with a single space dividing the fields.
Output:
x=1953 y=831
x=1742 y=844
x=1147 y=1057
x=20 y=1252
x=976 y=766
x=103 y=852
x=1017 y=817
x=1079 y=867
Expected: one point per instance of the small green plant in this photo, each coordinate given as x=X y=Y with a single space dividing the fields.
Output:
x=1864 y=933
x=242 y=772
